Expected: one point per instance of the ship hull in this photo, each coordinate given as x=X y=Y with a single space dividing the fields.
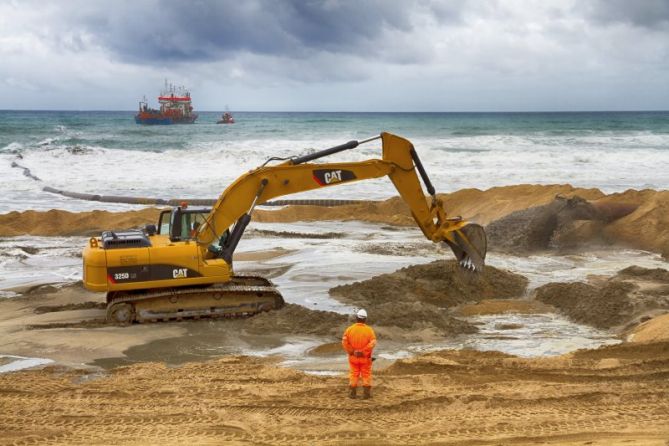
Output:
x=163 y=120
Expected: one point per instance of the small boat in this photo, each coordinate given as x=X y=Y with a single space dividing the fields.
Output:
x=226 y=119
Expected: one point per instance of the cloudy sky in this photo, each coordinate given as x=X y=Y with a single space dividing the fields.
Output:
x=337 y=55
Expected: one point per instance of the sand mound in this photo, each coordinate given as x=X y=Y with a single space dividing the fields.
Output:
x=626 y=298
x=654 y=330
x=477 y=205
x=441 y=283
x=539 y=227
x=647 y=227
x=415 y=298
x=63 y=223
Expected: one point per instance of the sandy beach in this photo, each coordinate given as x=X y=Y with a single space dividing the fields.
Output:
x=203 y=382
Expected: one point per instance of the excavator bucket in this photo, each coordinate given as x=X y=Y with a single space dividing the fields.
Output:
x=469 y=245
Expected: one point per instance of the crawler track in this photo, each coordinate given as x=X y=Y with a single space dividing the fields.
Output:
x=242 y=296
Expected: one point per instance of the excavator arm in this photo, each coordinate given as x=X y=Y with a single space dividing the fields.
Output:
x=232 y=212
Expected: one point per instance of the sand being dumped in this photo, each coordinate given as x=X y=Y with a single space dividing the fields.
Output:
x=633 y=295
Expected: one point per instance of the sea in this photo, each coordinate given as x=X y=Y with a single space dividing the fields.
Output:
x=106 y=152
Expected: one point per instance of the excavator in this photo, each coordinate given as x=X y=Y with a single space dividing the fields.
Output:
x=183 y=267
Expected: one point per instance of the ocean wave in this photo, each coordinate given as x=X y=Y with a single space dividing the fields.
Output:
x=12 y=148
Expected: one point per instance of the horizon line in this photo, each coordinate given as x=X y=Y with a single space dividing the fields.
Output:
x=353 y=112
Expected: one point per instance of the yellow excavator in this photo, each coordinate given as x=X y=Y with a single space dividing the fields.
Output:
x=182 y=268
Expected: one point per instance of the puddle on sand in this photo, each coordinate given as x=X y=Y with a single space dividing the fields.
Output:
x=28 y=261
x=529 y=335
x=542 y=269
x=10 y=363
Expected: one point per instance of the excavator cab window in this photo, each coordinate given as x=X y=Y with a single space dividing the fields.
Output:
x=190 y=224
x=181 y=224
x=164 y=222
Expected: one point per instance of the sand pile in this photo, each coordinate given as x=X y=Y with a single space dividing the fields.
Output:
x=563 y=223
x=631 y=296
x=440 y=283
x=541 y=227
x=654 y=330
x=63 y=223
x=647 y=227
x=415 y=298
x=477 y=205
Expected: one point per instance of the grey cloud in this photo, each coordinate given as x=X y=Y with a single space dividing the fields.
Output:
x=642 y=13
x=205 y=30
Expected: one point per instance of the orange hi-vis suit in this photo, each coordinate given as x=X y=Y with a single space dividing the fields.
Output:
x=359 y=340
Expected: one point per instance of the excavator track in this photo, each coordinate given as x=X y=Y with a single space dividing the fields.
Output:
x=243 y=296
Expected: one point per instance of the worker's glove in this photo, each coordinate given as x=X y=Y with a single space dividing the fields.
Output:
x=358 y=354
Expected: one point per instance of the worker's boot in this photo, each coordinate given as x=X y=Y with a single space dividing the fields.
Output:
x=367 y=392
x=353 y=393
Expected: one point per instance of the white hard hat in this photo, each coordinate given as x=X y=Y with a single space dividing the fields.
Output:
x=361 y=314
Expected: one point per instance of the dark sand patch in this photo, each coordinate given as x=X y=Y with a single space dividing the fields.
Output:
x=629 y=297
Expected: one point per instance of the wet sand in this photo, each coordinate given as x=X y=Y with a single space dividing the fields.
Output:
x=67 y=323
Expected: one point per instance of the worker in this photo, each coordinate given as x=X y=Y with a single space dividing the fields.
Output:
x=194 y=227
x=359 y=341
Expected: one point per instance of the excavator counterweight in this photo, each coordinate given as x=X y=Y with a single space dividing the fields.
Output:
x=183 y=267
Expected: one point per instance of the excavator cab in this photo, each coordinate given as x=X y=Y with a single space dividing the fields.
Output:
x=181 y=223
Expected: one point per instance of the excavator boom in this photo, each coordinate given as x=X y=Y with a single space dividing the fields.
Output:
x=184 y=267
x=400 y=163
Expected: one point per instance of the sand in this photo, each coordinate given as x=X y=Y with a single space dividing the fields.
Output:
x=611 y=396
x=626 y=299
x=65 y=325
x=414 y=301
x=652 y=330
x=186 y=383
x=646 y=228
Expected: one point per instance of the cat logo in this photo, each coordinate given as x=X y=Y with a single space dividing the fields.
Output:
x=334 y=176
x=180 y=273
x=325 y=177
